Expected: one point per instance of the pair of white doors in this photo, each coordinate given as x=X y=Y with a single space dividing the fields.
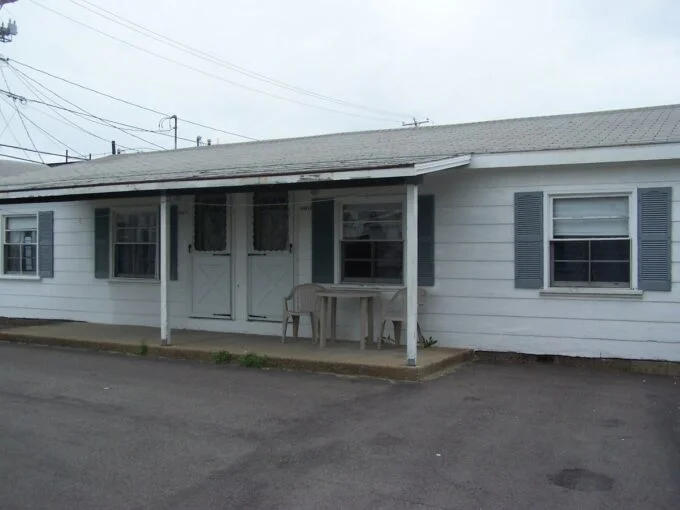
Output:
x=269 y=255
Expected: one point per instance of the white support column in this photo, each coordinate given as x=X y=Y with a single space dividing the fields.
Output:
x=165 y=269
x=411 y=274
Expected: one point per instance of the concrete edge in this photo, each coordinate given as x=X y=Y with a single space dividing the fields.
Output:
x=296 y=364
x=651 y=367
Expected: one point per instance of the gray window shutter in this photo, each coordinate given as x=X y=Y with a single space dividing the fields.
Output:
x=173 y=242
x=46 y=244
x=654 y=238
x=426 y=240
x=323 y=241
x=529 y=240
x=102 y=240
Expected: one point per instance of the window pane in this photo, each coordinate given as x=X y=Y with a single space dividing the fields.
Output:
x=570 y=272
x=135 y=261
x=372 y=221
x=357 y=270
x=19 y=237
x=210 y=223
x=610 y=250
x=28 y=265
x=389 y=263
x=610 y=272
x=602 y=227
x=21 y=223
x=12 y=262
x=570 y=250
x=590 y=217
x=357 y=250
x=270 y=221
x=590 y=207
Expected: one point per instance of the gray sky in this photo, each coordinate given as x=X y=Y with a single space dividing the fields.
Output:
x=451 y=61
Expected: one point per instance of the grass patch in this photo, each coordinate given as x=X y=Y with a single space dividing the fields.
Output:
x=252 y=360
x=143 y=349
x=222 y=357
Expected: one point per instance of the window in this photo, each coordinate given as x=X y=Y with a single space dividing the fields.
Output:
x=20 y=247
x=270 y=221
x=591 y=242
x=135 y=244
x=371 y=245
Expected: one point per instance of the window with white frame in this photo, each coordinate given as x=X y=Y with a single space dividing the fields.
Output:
x=371 y=243
x=135 y=244
x=591 y=242
x=20 y=245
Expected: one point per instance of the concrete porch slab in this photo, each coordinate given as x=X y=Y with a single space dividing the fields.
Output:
x=338 y=357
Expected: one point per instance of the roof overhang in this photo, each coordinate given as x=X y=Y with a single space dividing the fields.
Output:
x=580 y=156
x=299 y=179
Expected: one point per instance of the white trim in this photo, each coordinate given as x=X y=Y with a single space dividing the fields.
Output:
x=593 y=155
x=27 y=277
x=3 y=232
x=406 y=171
x=548 y=200
x=604 y=292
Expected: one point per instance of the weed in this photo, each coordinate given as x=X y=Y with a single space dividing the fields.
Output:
x=252 y=360
x=221 y=357
x=428 y=342
x=143 y=349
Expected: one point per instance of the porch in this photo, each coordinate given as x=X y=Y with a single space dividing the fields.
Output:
x=339 y=357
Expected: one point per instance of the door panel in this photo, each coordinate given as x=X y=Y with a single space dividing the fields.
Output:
x=211 y=260
x=270 y=258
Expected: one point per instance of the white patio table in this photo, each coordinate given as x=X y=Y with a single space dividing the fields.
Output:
x=329 y=299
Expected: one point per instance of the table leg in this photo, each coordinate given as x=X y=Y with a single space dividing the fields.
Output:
x=364 y=323
x=371 y=317
x=324 y=320
x=334 y=318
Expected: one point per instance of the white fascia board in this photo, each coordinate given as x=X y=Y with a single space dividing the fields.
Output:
x=595 y=155
x=443 y=164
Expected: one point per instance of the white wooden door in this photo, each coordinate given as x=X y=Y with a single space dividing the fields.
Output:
x=211 y=257
x=270 y=257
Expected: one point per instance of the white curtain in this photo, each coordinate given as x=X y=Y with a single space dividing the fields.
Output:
x=591 y=217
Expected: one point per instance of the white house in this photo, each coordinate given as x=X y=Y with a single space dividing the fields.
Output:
x=546 y=235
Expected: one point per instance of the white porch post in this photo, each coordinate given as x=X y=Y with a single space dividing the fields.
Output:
x=165 y=269
x=411 y=274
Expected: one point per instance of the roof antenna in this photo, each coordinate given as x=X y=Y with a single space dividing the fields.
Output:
x=415 y=122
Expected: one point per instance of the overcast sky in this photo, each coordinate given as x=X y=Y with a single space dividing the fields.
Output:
x=451 y=61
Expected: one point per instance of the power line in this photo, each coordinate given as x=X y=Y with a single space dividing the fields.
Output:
x=211 y=75
x=21 y=117
x=64 y=119
x=37 y=151
x=130 y=103
x=19 y=158
x=229 y=65
x=85 y=113
x=90 y=116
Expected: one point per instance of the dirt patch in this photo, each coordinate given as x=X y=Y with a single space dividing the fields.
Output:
x=11 y=322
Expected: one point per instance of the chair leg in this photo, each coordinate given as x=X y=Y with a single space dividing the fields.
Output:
x=285 y=328
x=397 y=332
x=296 y=325
x=312 y=320
x=382 y=332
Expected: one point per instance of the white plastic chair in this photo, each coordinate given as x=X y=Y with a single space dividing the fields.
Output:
x=395 y=311
x=302 y=300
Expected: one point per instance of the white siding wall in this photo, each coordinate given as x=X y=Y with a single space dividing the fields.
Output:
x=476 y=304
x=473 y=304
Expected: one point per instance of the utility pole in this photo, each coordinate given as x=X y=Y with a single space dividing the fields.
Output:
x=174 y=126
x=416 y=123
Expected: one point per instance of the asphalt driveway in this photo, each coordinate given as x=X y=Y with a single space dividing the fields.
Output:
x=98 y=431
